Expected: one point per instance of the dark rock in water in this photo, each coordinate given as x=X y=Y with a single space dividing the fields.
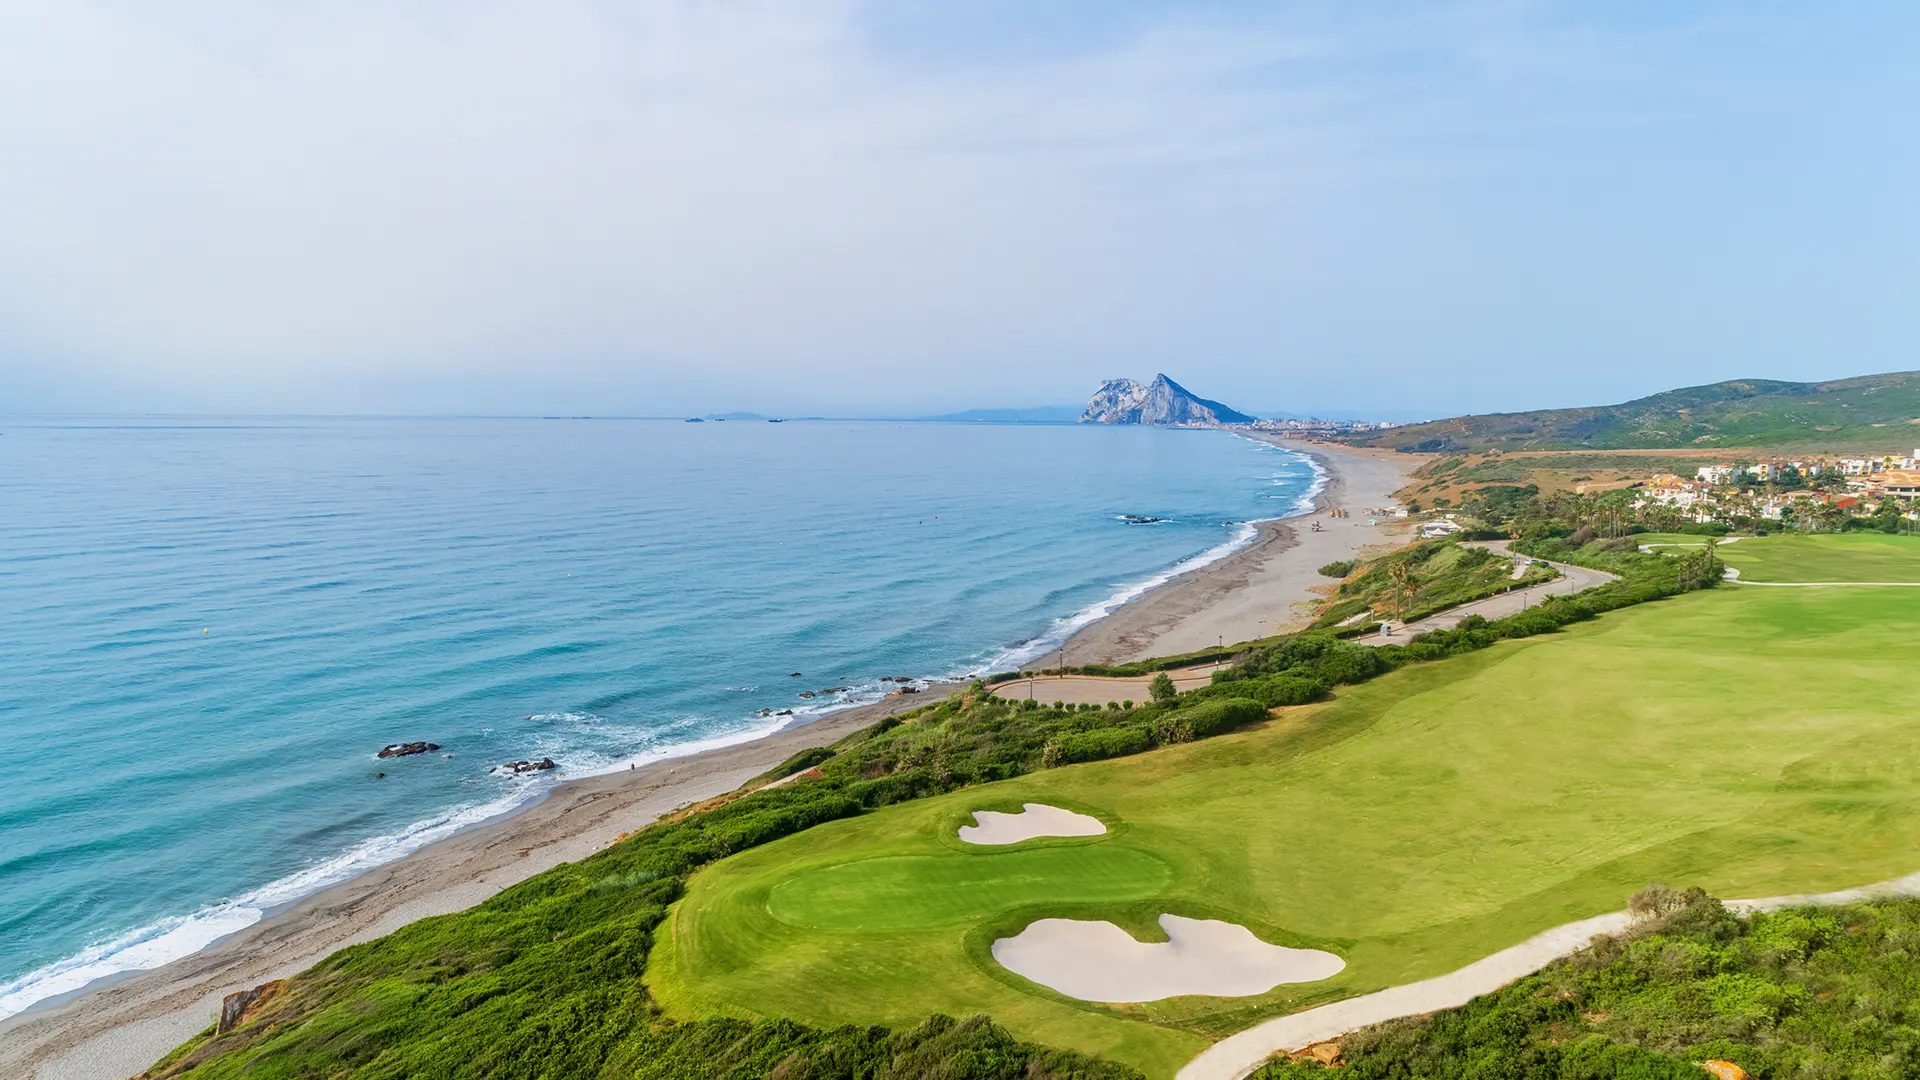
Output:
x=784 y=712
x=1136 y=519
x=902 y=678
x=793 y=675
x=886 y=678
x=807 y=693
x=518 y=767
x=407 y=749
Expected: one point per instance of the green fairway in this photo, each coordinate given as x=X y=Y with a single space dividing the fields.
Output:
x=1825 y=557
x=1753 y=741
x=1660 y=540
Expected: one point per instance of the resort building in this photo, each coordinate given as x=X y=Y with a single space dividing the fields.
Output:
x=1717 y=474
x=1902 y=483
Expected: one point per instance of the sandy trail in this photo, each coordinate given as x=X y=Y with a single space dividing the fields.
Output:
x=1097 y=689
x=1235 y=1056
x=1266 y=588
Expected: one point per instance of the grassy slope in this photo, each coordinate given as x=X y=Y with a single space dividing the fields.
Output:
x=1445 y=574
x=1754 y=741
x=1825 y=557
x=1869 y=410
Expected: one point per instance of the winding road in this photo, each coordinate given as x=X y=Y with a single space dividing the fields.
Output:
x=1572 y=579
x=1234 y=1057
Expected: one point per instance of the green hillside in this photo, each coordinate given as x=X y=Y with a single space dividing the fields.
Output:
x=1870 y=410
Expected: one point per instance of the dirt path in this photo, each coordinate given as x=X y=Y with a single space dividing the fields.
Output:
x=1096 y=690
x=1237 y=1055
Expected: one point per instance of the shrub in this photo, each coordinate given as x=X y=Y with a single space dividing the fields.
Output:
x=1338 y=569
x=1162 y=690
x=1100 y=744
x=1213 y=717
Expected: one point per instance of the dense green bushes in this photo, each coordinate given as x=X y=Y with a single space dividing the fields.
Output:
x=1096 y=745
x=1272 y=691
x=1209 y=718
x=1808 y=992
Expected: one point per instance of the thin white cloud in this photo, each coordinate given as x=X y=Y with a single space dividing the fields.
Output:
x=585 y=205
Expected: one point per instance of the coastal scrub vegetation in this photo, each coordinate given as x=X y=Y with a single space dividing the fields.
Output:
x=1803 y=992
x=1426 y=577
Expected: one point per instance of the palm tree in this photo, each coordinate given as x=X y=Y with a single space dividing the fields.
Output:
x=1401 y=574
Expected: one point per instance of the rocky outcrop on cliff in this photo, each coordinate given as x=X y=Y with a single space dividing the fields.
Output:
x=1162 y=402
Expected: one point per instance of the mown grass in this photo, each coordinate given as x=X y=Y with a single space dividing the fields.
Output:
x=1825 y=557
x=1753 y=741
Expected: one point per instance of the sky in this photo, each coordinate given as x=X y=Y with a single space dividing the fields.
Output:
x=844 y=208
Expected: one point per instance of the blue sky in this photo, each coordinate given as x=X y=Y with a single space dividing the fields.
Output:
x=919 y=206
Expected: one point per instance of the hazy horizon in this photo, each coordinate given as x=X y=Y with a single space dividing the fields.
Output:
x=907 y=209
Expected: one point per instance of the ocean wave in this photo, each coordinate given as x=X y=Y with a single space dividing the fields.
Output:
x=1012 y=656
x=170 y=939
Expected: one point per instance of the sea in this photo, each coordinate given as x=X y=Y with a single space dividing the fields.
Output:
x=210 y=626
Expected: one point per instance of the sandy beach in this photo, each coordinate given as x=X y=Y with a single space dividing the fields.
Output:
x=119 y=1029
x=1265 y=588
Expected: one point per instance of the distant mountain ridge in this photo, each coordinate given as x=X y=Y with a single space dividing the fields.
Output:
x=1162 y=402
x=1739 y=412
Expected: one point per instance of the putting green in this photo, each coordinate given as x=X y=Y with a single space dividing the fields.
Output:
x=1825 y=557
x=930 y=890
x=1753 y=741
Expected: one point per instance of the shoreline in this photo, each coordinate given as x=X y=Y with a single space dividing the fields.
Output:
x=1254 y=592
x=120 y=1025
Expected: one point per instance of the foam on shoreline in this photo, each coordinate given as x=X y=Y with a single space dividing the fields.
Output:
x=176 y=937
x=170 y=939
x=1062 y=630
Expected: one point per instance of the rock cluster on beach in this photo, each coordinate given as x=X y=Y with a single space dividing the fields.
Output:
x=406 y=749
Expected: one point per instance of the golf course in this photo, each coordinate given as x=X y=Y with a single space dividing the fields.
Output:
x=1753 y=741
x=1843 y=557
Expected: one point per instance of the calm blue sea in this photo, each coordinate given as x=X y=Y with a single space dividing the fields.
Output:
x=210 y=626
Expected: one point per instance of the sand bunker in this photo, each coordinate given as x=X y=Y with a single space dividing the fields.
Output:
x=1098 y=961
x=1036 y=819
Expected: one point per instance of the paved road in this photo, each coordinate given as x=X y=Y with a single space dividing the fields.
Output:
x=1237 y=1055
x=1572 y=579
